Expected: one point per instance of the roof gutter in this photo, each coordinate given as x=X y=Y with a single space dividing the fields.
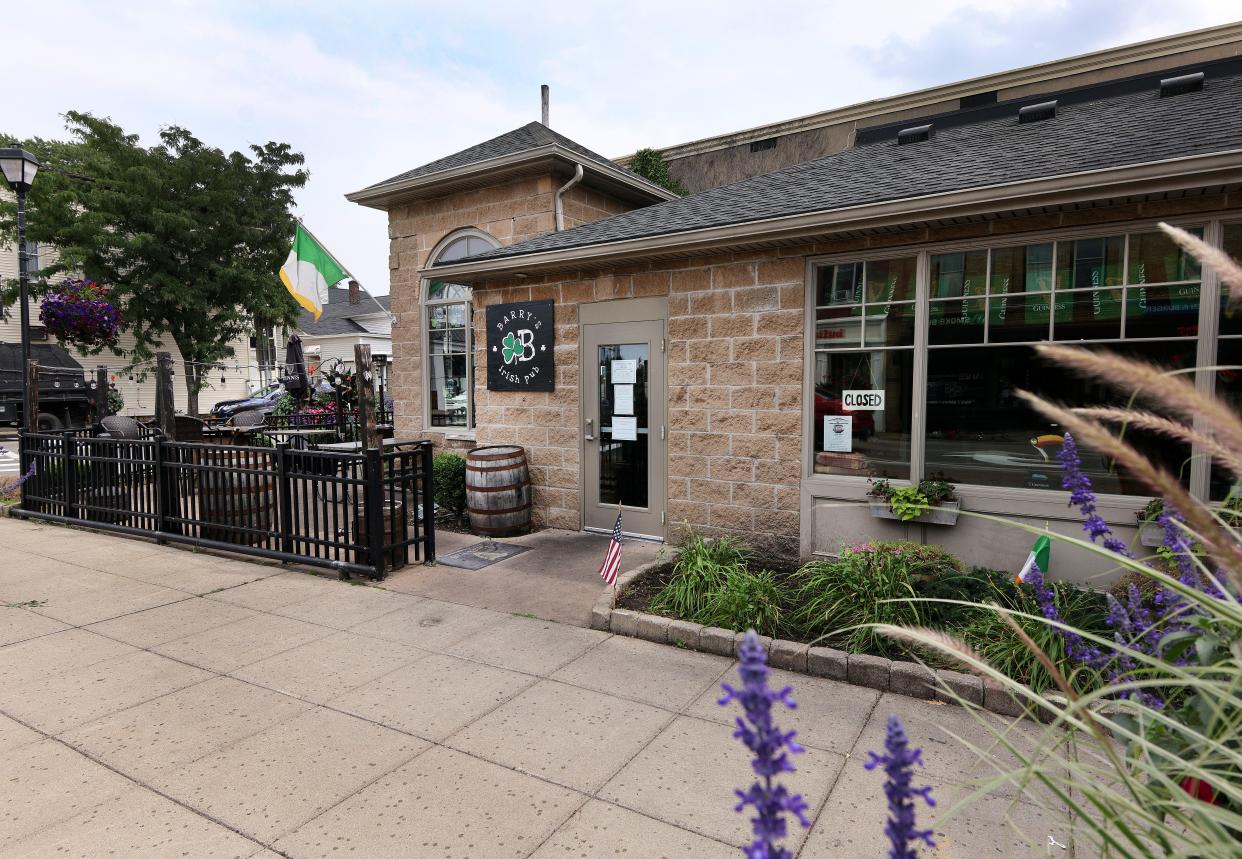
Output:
x=1154 y=176
x=378 y=194
x=559 y=205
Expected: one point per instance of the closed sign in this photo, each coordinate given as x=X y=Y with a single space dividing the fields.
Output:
x=862 y=401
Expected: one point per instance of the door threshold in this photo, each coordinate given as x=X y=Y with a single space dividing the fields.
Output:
x=646 y=538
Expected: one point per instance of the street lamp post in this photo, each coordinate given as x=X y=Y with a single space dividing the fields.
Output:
x=19 y=168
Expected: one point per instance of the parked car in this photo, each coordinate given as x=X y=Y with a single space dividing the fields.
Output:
x=64 y=393
x=263 y=402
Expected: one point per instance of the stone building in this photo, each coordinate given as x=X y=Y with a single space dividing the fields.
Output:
x=747 y=358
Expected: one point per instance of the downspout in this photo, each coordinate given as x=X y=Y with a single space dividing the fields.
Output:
x=559 y=205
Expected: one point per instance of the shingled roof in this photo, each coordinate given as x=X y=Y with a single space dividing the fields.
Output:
x=1127 y=129
x=339 y=316
x=528 y=138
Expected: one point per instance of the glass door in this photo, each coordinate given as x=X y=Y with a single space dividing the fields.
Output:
x=623 y=426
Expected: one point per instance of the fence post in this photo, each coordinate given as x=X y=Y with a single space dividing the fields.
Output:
x=163 y=495
x=284 y=497
x=164 y=395
x=368 y=434
x=373 y=470
x=101 y=393
x=429 y=504
x=70 y=471
x=30 y=408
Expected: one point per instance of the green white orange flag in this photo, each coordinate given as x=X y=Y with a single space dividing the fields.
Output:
x=1040 y=553
x=309 y=271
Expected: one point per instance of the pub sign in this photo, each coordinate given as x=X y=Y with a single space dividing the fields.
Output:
x=521 y=343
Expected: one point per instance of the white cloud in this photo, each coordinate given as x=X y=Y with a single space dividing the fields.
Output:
x=369 y=90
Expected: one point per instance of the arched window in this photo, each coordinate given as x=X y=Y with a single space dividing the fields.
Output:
x=448 y=353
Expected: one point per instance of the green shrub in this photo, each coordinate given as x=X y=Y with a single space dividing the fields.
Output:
x=116 y=402
x=977 y=585
x=1000 y=646
x=701 y=570
x=867 y=584
x=285 y=405
x=748 y=600
x=448 y=473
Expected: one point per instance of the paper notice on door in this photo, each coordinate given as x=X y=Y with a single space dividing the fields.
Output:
x=624 y=429
x=623 y=399
x=624 y=371
x=838 y=433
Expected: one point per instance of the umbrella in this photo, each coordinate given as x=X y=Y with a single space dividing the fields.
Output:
x=295 y=378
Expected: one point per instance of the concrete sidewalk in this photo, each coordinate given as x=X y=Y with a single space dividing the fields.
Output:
x=159 y=702
x=557 y=579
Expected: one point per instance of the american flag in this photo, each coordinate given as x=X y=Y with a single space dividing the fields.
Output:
x=612 y=561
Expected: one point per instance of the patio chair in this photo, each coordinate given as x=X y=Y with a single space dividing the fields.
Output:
x=119 y=426
x=249 y=420
x=188 y=428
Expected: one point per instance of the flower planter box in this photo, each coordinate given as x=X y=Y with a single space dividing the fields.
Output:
x=1151 y=535
x=944 y=513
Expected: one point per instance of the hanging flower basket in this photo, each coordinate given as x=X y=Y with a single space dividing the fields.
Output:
x=78 y=312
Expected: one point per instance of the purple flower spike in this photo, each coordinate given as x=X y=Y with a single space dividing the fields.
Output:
x=771 y=748
x=899 y=761
x=1076 y=481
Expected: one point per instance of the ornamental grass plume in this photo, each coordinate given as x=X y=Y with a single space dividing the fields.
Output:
x=898 y=761
x=771 y=748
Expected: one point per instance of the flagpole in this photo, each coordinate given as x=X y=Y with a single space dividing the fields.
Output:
x=614 y=581
x=302 y=224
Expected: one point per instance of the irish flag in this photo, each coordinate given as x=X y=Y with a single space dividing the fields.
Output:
x=309 y=271
x=1040 y=553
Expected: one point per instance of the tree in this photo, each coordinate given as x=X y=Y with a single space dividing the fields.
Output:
x=649 y=164
x=187 y=238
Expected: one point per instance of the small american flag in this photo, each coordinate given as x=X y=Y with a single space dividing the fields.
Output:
x=612 y=561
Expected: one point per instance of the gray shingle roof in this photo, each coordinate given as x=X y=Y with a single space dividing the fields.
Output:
x=1128 y=129
x=338 y=314
x=529 y=136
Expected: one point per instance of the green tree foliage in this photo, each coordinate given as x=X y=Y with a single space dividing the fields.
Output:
x=649 y=164
x=188 y=238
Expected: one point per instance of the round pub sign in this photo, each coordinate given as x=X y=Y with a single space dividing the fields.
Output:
x=521 y=342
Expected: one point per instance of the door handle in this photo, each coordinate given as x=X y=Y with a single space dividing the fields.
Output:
x=589 y=435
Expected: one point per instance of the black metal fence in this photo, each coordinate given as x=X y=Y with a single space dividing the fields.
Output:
x=364 y=512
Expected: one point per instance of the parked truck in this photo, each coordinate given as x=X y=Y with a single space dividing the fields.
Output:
x=64 y=393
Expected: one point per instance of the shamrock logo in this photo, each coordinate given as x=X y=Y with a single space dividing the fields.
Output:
x=511 y=348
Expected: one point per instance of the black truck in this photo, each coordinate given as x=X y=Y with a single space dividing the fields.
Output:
x=64 y=393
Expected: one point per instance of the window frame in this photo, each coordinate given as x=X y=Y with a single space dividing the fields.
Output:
x=1041 y=501
x=425 y=307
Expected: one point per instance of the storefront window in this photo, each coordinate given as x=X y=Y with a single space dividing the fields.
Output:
x=1228 y=358
x=864 y=368
x=1131 y=294
x=447 y=341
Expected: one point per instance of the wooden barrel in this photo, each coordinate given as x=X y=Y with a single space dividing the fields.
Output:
x=239 y=497
x=498 y=495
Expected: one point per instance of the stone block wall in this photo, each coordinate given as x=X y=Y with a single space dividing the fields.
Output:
x=510 y=212
x=735 y=363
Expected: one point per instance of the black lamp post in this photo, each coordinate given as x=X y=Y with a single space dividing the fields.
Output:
x=19 y=168
x=380 y=361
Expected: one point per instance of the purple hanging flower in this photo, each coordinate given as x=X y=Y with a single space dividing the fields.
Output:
x=78 y=312
x=771 y=748
x=899 y=761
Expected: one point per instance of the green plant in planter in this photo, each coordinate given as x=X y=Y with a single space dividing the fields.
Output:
x=869 y=583
x=116 y=402
x=449 y=483
x=747 y=600
x=908 y=503
x=1151 y=511
x=702 y=569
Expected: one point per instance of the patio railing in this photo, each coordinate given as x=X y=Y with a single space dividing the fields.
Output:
x=364 y=512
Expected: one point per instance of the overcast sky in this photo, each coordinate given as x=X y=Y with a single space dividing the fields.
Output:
x=369 y=89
